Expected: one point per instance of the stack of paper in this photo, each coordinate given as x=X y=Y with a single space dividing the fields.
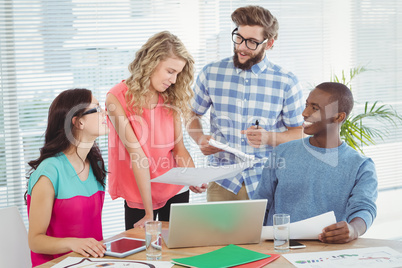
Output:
x=229 y=256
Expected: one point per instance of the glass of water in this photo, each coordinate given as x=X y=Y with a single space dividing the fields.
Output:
x=281 y=232
x=153 y=240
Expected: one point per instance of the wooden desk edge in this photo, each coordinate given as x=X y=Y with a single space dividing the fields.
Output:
x=265 y=247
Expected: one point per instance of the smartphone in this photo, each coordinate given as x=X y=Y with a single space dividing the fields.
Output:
x=294 y=244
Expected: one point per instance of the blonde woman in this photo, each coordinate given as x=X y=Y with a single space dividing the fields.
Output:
x=146 y=137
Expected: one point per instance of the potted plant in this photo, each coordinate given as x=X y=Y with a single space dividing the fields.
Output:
x=354 y=131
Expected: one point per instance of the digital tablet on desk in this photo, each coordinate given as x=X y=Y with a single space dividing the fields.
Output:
x=124 y=246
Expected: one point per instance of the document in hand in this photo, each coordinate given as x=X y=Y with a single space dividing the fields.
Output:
x=228 y=256
x=238 y=153
x=306 y=229
x=198 y=176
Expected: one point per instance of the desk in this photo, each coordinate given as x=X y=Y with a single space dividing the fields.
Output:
x=265 y=247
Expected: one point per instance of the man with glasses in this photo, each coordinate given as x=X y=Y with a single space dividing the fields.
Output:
x=255 y=104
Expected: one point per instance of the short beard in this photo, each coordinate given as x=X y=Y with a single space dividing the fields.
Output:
x=250 y=62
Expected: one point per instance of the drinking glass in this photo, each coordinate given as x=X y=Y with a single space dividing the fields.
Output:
x=153 y=240
x=281 y=232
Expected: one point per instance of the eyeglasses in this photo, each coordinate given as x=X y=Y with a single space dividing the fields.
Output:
x=250 y=44
x=97 y=109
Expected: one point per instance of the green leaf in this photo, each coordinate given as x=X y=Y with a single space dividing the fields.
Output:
x=354 y=130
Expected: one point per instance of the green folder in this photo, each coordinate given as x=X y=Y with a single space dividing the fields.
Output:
x=228 y=256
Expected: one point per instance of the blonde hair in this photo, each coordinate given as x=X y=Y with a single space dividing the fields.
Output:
x=158 y=48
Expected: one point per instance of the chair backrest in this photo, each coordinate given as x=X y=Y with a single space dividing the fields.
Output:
x=14 y=249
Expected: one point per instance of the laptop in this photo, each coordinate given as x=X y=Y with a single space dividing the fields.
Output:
x=215 y=223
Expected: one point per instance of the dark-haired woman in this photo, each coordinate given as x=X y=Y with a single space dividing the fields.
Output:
x=67 y=186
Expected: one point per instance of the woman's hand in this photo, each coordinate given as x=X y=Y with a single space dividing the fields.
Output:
x=87 y=247
x=199 y=190
x=141 y=223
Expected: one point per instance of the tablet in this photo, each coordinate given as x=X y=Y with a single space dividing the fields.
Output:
x=124 y=246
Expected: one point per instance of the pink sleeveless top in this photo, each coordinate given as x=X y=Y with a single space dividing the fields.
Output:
x=155 y=132
x=77 y=207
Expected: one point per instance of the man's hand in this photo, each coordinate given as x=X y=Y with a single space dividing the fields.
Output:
x=338 y=233
x=257 y=137
x=205 y=147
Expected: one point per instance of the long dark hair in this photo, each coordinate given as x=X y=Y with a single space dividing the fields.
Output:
x=65 y=106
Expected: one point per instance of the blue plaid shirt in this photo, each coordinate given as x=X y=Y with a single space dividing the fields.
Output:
x=238 y=98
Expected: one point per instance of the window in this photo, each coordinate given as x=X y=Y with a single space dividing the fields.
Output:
x=48 y=46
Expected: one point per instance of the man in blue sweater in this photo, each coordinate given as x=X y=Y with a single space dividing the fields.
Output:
x=320 y=173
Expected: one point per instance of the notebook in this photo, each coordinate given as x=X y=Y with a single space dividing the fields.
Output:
x=228 y=256
x=215 y=223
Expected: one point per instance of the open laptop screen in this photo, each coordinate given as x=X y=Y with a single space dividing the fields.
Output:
x=215 y=223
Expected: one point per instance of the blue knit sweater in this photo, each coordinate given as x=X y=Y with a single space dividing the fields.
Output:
x=304 y=181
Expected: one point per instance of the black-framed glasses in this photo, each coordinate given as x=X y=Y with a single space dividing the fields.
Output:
x=97 y=109
x=250 y=44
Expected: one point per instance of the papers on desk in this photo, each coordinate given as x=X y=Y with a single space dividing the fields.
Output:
x=358 y=257
x=77 y=262
x=306 y=229
x=198 y=176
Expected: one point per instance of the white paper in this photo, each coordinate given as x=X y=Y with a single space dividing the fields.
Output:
x=306 y=229
x=229 y=149
x=197 y=176
x=77 y=262
x=358 y=257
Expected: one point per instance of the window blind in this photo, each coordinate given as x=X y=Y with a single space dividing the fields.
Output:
x=47 y=46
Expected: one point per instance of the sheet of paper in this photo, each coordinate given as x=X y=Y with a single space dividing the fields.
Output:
x=198 y=176
x=77 y=262
x=306 y=229
x=359 y=257
x=229 y=149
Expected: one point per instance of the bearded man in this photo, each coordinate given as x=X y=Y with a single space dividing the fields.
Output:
x=254 y=103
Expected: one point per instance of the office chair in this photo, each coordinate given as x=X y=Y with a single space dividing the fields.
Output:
x=14 y=249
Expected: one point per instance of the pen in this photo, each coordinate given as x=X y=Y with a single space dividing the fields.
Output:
x=257 y=123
